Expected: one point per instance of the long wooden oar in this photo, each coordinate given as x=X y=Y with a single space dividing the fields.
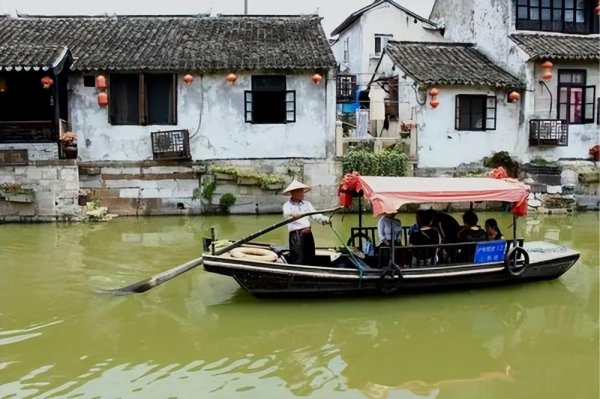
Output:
x=158 y=279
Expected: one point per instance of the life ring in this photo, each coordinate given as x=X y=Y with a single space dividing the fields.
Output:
x=516 y=260
x=260 y=254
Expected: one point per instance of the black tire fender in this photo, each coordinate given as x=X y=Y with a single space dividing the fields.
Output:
x=516 y=261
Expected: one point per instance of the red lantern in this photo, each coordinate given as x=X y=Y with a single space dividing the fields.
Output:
x=102 y=99
x=597 y=9
x=433 y=92
x=188 y=79
x=47 y=82
x=547 y=65
x=231 y=78
x=434 y=103
x=547 y=75
x=513 y=96
x=100 y=82
x=316 y=78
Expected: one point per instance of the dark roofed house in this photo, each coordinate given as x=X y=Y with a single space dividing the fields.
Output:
x=183 y=88
x=452 y=101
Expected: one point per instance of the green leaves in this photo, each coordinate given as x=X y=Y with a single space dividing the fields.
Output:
x=393 y=162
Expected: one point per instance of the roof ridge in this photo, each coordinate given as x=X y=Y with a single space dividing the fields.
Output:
x=446 y=44
x=91 y=16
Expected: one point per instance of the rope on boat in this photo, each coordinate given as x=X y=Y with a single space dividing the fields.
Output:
x=355 y=260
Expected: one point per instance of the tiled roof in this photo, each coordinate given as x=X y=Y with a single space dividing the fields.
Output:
x=559 y=47
x=31 y=56
x=175 y=43
x=448 y=64
x=357 y=14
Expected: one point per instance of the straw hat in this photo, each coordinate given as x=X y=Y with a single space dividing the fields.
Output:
x=296 y=185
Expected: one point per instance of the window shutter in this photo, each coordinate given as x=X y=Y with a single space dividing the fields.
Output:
x=248 y=106
x=590 y=104
x=490 y=113
x=143 y=106
x=457 y=113
x=290 y=106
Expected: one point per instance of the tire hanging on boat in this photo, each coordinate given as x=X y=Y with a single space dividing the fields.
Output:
x=516 y=260
x=263 y=255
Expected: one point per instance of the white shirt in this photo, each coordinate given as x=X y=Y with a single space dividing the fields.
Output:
x=290 y=208
x=387 y=227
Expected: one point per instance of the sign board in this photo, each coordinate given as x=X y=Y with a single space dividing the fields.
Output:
x=490 y=251
x=14 y=157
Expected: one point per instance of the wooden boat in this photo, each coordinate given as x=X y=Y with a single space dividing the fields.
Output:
x=263 y=269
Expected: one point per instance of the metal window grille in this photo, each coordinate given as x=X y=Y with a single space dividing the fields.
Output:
x=548 y=132
x=346 y=88
x=171 y=144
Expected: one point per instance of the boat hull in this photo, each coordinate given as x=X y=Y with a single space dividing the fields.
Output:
x=264 y=279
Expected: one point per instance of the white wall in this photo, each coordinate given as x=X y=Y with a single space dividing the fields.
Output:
x=213 y=112
x=489 y=25
x=384 y=19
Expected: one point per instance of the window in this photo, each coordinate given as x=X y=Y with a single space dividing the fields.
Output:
x=380 y=42
x=269 y=101
x=576 y=101
x=568 y=16
x=346 y=88
x=145 y=99
x=347 y=49
x=475 y=112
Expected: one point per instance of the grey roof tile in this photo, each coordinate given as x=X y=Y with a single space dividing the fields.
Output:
x=449 y=64
x=31 y=56
x=174 y=43
x=559 y=46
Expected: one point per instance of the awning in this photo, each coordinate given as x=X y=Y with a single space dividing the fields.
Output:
x=28 y=57
x=388 y=194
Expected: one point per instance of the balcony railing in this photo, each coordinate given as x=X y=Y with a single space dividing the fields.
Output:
x=548 y=132
x=171 y=144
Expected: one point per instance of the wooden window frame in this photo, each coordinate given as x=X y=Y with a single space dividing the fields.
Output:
x=551 y=16
x=587 y=107
x=143 y=102
x=489 y=112
x=289 y=104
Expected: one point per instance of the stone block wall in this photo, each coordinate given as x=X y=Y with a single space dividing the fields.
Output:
x=55 y=185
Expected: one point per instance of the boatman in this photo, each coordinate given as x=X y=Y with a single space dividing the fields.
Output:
x=301 y=240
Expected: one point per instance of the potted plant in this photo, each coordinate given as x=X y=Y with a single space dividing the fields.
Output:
x=68 y=143
x=224 y=172
x=14 y=192
x=247 y=178
x=271 y=182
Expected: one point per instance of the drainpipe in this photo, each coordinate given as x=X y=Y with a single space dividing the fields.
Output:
x=245 y=7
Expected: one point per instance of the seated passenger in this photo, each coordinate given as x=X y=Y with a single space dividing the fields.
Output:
x=470 y=232
x=426 y=235
x=492 y=230
x=389 y=230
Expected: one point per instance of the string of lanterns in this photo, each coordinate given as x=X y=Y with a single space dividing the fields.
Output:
x=547 y=70
x=434 y=102
x=102 y=96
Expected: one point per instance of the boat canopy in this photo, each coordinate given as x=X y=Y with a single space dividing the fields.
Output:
x=387 y=194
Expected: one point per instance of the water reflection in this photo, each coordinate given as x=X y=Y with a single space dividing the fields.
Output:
x=201 y=336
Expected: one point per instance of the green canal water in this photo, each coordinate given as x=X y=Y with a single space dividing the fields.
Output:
x=201 y=336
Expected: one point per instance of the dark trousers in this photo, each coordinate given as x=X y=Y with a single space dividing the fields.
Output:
x=302 y=247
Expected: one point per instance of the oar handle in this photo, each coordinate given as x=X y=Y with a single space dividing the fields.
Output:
x=149 y=283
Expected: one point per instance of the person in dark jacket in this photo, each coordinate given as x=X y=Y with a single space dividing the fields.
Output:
x=426 y=235
x=471 y=232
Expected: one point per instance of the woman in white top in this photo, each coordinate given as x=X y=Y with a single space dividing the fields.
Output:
x=389 y=229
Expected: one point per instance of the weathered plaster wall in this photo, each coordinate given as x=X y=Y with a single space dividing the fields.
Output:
x=385 y=19
x=213 y=112
x=35 y=151
x=439 y=145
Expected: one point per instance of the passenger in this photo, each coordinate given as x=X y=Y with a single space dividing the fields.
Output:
x=426 y=235
x=471 y=232
x=447 y=226
x=389 y=230
x=301 y=240
x=492 y=230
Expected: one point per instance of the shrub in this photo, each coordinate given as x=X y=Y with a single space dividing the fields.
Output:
x=389 y=162
x=226 y=201
x=503 y=159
